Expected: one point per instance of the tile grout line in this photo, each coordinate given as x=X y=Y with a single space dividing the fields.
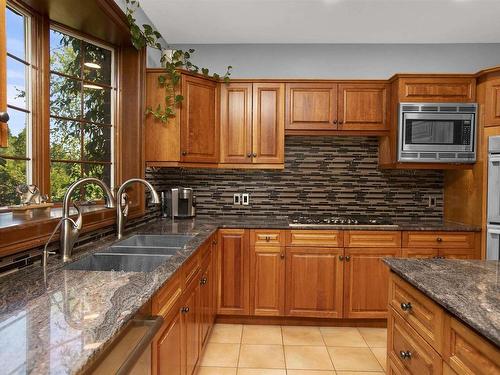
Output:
x=326 y=347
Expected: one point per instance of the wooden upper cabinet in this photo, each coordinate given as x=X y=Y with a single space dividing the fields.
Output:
x=437 y=89
x=162 y=140
x=268 y=123
x=3 y=74
x=236 y=123
x=363 y=106
x=199 y=126
x=311 y=106
x=492 y=103
x=233 y=279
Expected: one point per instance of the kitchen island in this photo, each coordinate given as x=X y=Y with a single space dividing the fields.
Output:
x=444 y=316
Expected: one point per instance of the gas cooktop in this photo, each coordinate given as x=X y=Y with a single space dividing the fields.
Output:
x=333 y=221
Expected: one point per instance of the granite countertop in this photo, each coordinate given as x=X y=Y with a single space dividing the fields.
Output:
x=59 y=328
x=467 y=289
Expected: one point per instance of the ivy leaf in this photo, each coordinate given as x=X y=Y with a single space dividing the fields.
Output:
x=216 y=76
x=204 y=71
x=191 y=50
x=178 y=99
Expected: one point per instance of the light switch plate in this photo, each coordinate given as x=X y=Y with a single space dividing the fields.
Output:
x=236 y=199
x=245 y=199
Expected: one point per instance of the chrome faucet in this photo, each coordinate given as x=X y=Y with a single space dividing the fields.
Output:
x=122 y=212
x=70 y=231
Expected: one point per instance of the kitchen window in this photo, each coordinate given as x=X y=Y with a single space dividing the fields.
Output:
x=82 y=97
x=16 y=166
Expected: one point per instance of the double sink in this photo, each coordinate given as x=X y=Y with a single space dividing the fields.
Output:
x=138 y=253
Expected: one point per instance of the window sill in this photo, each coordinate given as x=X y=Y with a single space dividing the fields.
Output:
x=20 y=233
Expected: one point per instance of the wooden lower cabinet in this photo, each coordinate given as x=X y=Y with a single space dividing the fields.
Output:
x=314 y=282
x=233 y=272
x=167 y=348
x=366 y=282
x=267 y=275
x=425 y=339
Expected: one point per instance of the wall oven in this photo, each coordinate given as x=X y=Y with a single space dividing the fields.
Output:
x=437 y=132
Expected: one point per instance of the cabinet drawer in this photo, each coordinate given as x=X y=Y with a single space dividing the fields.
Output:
x=267 y=237
x=463 y=240
x=358 y=238
x=311 y=237
x=425 y=316
x=167 y=296
x=468 y=353
x=408 y=350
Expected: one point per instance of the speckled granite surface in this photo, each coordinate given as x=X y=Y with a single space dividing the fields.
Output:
x=468 y=289
x=61 y=327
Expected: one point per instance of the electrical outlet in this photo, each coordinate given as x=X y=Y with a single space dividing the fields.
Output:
x=236 y=199
x=431 y=201
x=245 y=199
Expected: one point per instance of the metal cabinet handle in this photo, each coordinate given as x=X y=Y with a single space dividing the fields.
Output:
x=282 y=256
x=341 y=122
x=184 y=153
x=405 y=354
x=406 y=306
x=203 y=281
x=268 y=238
x=4 y=117
x=439 y=239
x=335 y=121
x=185 y=310
x=341 y=258
x=249 y=155
x=347 y=258
x=254 y=154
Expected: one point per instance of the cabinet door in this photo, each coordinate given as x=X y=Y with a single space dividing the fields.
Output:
x=199 y=130
x=233 y=280
x=3 y=74
x=267 y=275
x=492 y=103
x=314 y=278
x=236 y=123
x=366 y=282
x=363 y=106
x=437 y=89
x=268 y=123
x=311 y=106
x=167 y=348
x=205 y=299
x=191 y=328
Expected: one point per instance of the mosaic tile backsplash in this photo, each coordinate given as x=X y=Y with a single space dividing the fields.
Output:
x=336 y=175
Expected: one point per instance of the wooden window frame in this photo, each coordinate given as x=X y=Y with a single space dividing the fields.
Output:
x=129 y=113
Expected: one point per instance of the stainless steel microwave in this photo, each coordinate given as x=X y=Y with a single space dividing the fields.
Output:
x=437 y=132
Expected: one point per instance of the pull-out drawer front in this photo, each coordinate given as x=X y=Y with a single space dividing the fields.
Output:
x=425 y=316
x=318 y=238
x=408 y=350
x=468 y=353
x=268 y=237
x=358 y=238
x=463 y=240
x=167 y=296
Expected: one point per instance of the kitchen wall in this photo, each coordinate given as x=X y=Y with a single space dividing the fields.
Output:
x=337 y=175
x=378 y=61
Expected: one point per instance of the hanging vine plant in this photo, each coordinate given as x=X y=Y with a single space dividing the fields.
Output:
x=147 y=36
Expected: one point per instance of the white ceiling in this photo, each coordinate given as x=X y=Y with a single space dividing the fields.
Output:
x=326 y=21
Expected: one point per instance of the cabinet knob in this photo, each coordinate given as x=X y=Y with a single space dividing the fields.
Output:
x=341 y=122
x=341 y=258
x=347 y=258
x=184 y=153
x=282 y=256
x=4 y=117
x=185 y=310
x=439 y=239
x=406 y=306
x=254 y=154
x=268 y=238
x=335 y=121
x=405 y=354
x=203 y=281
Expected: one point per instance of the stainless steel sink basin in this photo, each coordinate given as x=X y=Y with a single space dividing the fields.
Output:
x=141 y=250
x=115 y=262
x=155 y=240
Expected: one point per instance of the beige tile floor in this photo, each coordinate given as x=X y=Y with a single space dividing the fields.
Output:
x=236 y=349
